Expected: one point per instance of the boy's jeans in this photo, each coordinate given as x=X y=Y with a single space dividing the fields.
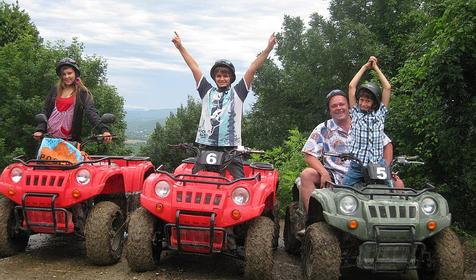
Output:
x=354 y=175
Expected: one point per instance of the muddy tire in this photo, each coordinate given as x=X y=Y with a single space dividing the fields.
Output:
x=259 y=249
x=447 y=256
x=291 y=244
x=12 y=240
x=276 y=207
x=321 y=253
x=104 y=233
x=142 y=252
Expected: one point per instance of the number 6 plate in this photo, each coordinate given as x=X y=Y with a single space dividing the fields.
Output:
x=213 y=158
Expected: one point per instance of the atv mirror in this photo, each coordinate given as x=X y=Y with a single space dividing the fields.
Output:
x=108 y=118
x=41 y=118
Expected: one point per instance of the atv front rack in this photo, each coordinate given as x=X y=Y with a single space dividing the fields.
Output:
x=385 y=191
x=25 y=210
x=394 y=250
x=183 y=238
x=197 y=178
x=66 y=165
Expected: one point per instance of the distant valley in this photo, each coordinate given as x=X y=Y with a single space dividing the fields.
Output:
x=141 y=123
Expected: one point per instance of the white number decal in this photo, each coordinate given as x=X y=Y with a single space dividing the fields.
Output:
x=211 y=158
x=381 y=173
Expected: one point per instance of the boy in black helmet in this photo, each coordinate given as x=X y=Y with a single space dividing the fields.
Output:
x=368 y=112
x=222 y=106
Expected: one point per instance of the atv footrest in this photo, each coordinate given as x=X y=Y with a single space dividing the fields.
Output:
x=44 y=219
x=196 y=233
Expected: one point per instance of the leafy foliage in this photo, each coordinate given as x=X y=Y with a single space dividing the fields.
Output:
x=289 y=164
x=27 y=73
x=14 y=24
x=433 y=112
x=180 y=127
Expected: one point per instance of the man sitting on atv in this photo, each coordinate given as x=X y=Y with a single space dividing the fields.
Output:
x=222 y=106
x=332 y=136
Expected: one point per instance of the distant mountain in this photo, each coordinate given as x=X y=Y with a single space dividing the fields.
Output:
x=141 y=123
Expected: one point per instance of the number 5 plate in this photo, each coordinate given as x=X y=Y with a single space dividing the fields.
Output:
x=378 y=171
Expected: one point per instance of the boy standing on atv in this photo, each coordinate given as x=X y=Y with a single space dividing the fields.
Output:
x=222 y=106
x=368 y=112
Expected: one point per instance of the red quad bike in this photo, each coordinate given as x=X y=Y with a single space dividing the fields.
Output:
x=208 y=212
x=90 y=198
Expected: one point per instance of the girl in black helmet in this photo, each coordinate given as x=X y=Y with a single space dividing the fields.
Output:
x=222 y=106
x=66 y=104
x=369 y=110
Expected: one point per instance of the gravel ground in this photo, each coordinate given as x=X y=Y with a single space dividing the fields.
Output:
x=49 y=257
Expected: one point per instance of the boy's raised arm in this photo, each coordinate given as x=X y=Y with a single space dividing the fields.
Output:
x=192 y=64
x=355 y=81
x=387 y=88
x=256 y=64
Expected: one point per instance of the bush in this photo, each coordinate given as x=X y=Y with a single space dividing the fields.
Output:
x=289 y=161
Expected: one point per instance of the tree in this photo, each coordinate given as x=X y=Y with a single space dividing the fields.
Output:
x=313 y=62
x=27 y=73
x=15 y=23
x=289 y=163
x=433 y=111
x=390 y=23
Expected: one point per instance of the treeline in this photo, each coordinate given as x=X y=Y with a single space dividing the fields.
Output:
x=27 y=73
x=426 y=48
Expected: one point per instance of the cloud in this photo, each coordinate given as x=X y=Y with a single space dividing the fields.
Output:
x=144 y=64
x=136 y=35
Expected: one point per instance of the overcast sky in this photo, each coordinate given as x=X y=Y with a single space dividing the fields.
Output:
x=135 y=38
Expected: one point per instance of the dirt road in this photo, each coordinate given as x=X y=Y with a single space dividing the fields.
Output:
x=49 y=257
x=52 y=258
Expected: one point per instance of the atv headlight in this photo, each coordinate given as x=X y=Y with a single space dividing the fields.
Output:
x=16 y=174
x=83 y=176
x=428 y=206
x=348 y=204
x=162 y=189
x=240 y=196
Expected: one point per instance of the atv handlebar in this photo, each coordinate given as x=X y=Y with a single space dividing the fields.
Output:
x=240 y=150
x=344 y=156
x=185 y=146
x=405 y=160
x=95 y=138
x=399 y=160
x=246 y=151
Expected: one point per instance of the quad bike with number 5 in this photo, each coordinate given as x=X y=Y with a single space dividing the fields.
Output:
x=207 y=211
x=374 y=227
x=90 y=198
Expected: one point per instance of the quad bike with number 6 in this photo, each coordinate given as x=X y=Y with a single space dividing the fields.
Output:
x=207 y=211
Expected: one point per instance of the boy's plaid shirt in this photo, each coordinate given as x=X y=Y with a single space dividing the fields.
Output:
x=368 y=134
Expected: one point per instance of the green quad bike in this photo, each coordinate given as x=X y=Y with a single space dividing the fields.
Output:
x=375 y=228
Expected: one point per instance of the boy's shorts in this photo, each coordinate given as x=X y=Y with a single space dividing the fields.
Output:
x=355 y=175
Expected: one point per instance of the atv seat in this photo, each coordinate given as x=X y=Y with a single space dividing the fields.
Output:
x=262 y=165
x=189 y=160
